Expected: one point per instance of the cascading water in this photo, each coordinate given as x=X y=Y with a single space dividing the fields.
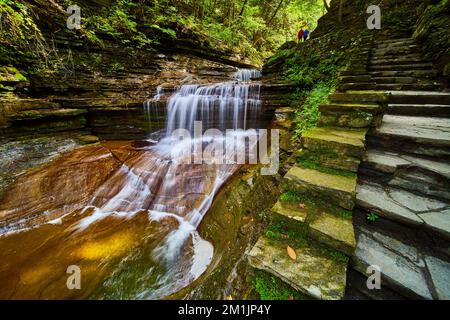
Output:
x=247 y=74
x=166 y=184
x=137 y=236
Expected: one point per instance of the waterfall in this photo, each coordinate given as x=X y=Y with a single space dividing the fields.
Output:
x=160 y=182
x=222 y=106
x=247 y=74
x=151 y=106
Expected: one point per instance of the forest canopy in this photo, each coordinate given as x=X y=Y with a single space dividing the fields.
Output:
x=255 y=28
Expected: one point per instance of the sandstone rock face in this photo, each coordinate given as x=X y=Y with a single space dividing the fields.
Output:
x=59 y=187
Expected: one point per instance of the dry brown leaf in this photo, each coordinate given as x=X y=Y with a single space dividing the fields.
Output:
x=302 y=205
x=291 y=297
x=291 y=253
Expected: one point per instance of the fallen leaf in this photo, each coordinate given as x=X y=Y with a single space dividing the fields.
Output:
x=302 y=205
x=291 y=253
x=291 y=297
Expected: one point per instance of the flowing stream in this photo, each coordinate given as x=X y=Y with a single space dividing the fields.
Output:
x=171 y=181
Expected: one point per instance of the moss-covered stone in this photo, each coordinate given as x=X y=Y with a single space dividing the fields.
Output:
x=338 y=189
x=312 y=273
x=348 y=142
x=334 y=231
x=291 y=211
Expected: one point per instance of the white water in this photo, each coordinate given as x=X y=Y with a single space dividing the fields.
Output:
x=161 y=183
x=247 y=74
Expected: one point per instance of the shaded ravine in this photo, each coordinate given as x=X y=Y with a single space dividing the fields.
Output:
x=135 y=235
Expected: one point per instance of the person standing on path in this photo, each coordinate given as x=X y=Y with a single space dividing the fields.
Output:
x=305 y=35
x=300 y=35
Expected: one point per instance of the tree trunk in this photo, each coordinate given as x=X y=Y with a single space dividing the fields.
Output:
x=243 y=8
x=341 y=7
x=276 y=11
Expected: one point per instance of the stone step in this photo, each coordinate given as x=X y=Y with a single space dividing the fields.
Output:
x=394 y=56
x=419 y=97
x=405 y=207
x=426 y=110
x=419 y=175
x=341 y=141
x=353 y=79
x=404 y=268
x=425 y=132
x=329 y=228
x=389 y=87
x=352 y=72
x=390 y=162
x=343 y=107
x=334 y=231
x=330 y=160
x=312 y=273
x=395 y=49
x=405 y=73
x=396 y=40
x=402 y=43
x=399 y=67
x=350 y=115
x=339 y=190
x=396 y=61
x=394 y=80
x=359 y=98
x=294 y=214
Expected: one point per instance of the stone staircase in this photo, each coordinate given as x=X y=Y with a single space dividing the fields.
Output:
x=405 y=175
x=320 y=195
x=391 y=97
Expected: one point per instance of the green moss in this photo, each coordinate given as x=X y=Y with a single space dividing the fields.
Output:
x=308 y=116
x=290 y=196
x=282 y=230
x=271 y=288
x=314 y=205
x=333 y=254
x=313 y=162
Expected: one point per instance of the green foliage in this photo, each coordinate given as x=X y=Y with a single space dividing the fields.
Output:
x=272 y=288
x=290 y=197
x=372 y=216
x=308 y=116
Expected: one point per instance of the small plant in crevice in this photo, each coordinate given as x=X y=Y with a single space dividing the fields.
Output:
x=372 y=216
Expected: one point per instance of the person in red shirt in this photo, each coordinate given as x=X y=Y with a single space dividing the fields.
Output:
x=300 y=35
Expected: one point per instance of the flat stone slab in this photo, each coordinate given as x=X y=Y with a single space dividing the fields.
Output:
x=350 y=107
x=389 y=162
x=428 y=130
x=348 y=142
x=402 y=268
x=424 y=110
x=359 y=97
x=311 y=273
x=405 y=268
x=334 y=231
x=440 y=275
x=406 y=207
x=46 y=113
x=339 y=189
x=419 y=97
x=298 y=215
